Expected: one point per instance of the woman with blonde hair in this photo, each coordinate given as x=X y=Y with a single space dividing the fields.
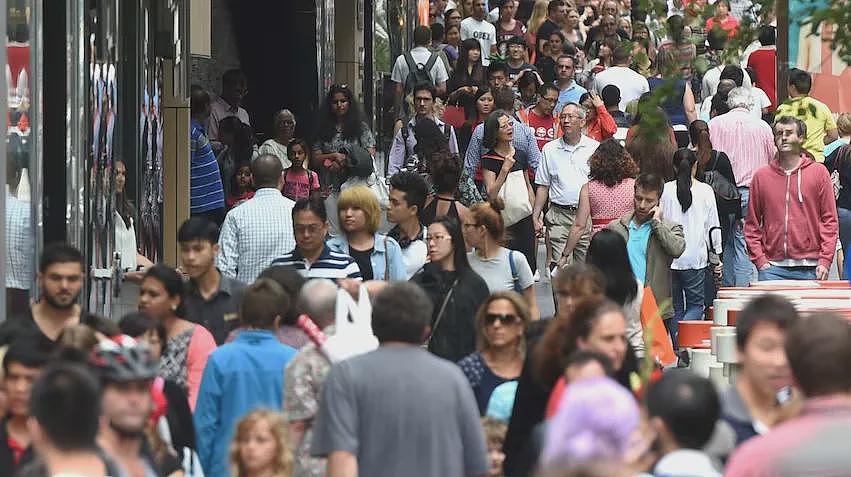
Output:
x=501 y=268
x=539 y=16
x=260 y=446
x=378 y=256
x=500 y=345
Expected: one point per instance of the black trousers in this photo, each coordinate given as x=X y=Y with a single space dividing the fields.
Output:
x=521 y=237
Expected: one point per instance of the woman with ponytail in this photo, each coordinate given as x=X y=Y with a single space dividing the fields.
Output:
x=729 y=211
x=691 y=203
x=501 y=268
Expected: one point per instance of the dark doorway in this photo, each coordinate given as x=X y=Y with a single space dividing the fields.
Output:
x=277 y=49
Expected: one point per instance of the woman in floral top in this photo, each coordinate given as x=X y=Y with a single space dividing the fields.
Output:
x=187 y=344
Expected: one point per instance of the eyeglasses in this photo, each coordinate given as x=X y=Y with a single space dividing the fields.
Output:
x=339 y=86
x=438 y=238
x=492 y=318
x=571 y=117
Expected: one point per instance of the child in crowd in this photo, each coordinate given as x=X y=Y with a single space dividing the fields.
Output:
x=241 y=188
x=299 y=182
x=260 y=446
x=495 y=436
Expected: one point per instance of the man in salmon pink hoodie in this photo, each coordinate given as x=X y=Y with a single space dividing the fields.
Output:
x=791 y=228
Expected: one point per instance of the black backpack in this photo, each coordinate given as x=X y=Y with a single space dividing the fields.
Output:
x=418 y=74
x=412 y=162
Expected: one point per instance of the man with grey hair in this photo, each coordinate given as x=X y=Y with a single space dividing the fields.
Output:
x=305 y=375
x=562 y=173
x=749 y=143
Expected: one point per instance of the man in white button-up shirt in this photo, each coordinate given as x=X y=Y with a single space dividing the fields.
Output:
x=562 y=173
x=260 y=229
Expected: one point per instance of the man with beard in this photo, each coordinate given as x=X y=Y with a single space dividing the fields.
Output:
x=60 y=279
x=126 y=370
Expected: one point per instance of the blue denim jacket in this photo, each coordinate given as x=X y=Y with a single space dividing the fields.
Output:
x=392 y=252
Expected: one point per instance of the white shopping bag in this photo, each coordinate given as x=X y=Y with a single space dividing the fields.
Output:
x=353 y=330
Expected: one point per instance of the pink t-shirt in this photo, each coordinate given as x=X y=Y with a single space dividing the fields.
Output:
x=300 y=185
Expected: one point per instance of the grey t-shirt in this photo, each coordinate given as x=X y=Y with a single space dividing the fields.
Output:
x=403 y=412
x=496 y=272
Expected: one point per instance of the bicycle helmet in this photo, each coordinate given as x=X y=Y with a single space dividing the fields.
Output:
x=122 y=359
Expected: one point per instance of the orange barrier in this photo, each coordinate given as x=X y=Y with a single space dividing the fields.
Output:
x=694 y=334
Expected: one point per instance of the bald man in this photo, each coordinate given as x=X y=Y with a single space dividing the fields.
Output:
x=261 y=228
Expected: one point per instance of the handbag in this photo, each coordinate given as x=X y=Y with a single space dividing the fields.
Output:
x=440 y=313
x=375 y=183
x=722 y=187
x=515 y=195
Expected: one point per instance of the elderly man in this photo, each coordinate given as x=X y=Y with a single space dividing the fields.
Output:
x=564 y=170
x=749 y=143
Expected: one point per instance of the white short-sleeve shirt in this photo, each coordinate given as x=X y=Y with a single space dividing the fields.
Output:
x=564 y=169
x=421 y=55
x=482 y=31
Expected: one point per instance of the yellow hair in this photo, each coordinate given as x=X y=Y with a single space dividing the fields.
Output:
x=278 y=425
x=362 y=198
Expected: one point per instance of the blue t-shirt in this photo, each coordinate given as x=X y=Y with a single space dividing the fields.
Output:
x=636 y=247
x=569 y=95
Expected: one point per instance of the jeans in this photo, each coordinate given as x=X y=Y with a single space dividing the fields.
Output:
x=844 y=228
x=738 y=269
x=688 y=297
x=787 y=273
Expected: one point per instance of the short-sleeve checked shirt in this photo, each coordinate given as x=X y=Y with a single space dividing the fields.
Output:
x=255 y=233
x=19 y=250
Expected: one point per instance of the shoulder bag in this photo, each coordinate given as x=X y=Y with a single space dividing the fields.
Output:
x=440 y=313
x=722 y=187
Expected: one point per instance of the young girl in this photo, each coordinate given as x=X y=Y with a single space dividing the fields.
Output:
x=241 y=188
x=495 y=437
x=260 y=447
x=299 y=182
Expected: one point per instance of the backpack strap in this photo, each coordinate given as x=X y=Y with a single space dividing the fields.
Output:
x=430 y=64
x=447 y=131
x=409 y=59
x=514 y=278
x=715 y=159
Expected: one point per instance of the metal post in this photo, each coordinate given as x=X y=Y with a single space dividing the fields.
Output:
x=3 y=159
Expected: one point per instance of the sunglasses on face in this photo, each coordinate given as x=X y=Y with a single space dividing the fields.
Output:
x=492 y=318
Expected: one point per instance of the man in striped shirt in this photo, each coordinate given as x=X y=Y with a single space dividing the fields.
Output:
x=206 y=194
x=311 y=257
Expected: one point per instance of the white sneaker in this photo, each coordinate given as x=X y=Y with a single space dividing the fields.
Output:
x=537 y=276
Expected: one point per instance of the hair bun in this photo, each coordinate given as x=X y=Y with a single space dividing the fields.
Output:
x=497 y=204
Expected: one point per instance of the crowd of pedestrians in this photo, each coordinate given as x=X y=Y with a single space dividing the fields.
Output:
x=330 y=317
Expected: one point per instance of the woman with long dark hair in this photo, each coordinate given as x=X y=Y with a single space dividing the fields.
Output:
x=651 y=141
x=501 y=173
x=608 y=253
x=341 y=124
x=468 y=72
x=691 y=203
x=708 y=160
x=454 y=288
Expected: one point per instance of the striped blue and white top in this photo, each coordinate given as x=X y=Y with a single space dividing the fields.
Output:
x=330 y=264
x=205 y=182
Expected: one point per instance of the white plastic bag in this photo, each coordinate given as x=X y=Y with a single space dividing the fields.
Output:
x=353 y=330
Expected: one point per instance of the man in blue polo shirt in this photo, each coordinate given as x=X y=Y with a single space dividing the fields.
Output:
x=652 y=242
x=311 y=257
x=569 y=91
x=206 y=194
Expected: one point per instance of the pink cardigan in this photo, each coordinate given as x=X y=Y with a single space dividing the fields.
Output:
x=201 y=345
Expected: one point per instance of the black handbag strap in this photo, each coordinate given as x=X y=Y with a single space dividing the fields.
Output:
x=441 y=312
